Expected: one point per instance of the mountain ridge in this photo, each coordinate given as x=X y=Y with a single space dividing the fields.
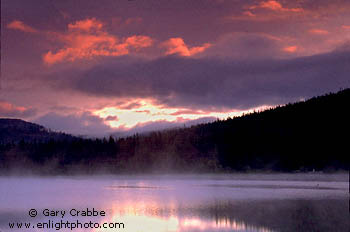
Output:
x=16 y=130
x=302 y=136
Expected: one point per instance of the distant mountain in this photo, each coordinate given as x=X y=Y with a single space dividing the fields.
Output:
x=16 y=130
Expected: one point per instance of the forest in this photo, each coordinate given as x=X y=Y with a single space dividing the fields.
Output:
x=304 y=136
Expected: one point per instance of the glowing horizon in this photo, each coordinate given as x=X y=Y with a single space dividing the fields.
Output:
x=147 y=112
x=68 y=66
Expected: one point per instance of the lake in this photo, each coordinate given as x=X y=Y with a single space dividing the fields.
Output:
x=155 y=203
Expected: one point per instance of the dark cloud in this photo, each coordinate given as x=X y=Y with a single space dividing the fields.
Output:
x=212 y=83
x=345 y=46
x=245 y=66
x=84 y=124
x=246 y=46
x=111 y=118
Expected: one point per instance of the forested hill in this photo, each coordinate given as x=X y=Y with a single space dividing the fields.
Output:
x=304 y=136
x=16 y=130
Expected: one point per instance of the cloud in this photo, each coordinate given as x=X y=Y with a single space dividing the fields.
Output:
x=346 y=27
x=214 y=83
x=129 y=106
x=270 y=11
x=161 y=125
x=86 y=25
x=318 y=32
x=77 y=124
x=111 y=118
x=19 y=25
x=274 y=6
x=87 y=124
x=178 y=46
x=187 y=111
x=9 y=110
x=290 y=49
x=343 y=47
x=138 y=41
x=85 y=40
x=246 y=46
x=249 y=13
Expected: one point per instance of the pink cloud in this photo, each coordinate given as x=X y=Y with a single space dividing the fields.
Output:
x=290 y=49
x=188 y=111
x=85 y=39
x=346 y=27
x=275 y=6
x=178 y=46
x=318 y=32
x=10 y=110
x=139 y=41
x=249 y=13
x=86 y=25
x=130 y=106
x=19 y=25
x=267 y=11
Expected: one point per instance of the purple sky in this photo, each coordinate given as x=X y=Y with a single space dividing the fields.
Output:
x=98 y=67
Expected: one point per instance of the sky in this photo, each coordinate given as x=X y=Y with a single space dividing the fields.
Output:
x=94 y=68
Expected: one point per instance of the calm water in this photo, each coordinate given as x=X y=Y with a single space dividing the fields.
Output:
x=298 y=202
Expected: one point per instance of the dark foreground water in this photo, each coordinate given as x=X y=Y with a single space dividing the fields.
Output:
x=297 y=202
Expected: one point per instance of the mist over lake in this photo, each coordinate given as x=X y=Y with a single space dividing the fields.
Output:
x=232 y=202
x=174 y=116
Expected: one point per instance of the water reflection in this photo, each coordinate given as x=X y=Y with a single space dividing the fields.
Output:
x=138 y=217
x=137 y=223
x=264 y=216
x=182 y=204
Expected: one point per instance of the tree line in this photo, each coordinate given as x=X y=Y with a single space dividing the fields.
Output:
x=303 y=136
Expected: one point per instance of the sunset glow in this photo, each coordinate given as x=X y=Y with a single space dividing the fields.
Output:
x=174 y=115
x=290 y=49
x=178 y=46
x=68 y=66
x=85 y=39
x=146 y=112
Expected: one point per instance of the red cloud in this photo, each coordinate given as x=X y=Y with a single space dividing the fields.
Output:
x=178 y=46
x=86 y=39
x=19 y=25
